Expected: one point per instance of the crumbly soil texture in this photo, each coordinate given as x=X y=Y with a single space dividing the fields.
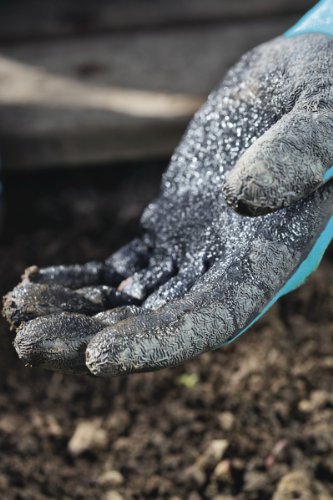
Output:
x=253 y=420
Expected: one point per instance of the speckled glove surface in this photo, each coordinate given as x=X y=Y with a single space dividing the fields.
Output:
x=202 y=273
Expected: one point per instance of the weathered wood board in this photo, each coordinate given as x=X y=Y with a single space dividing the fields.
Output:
x=117 y=96
x=23 y=19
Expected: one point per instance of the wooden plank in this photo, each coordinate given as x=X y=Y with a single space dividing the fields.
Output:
x=112 y=97
x=40 y=19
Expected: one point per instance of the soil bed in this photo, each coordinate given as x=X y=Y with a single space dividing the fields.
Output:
x=249 y=421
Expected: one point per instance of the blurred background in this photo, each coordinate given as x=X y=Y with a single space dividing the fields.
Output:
x=94 y=96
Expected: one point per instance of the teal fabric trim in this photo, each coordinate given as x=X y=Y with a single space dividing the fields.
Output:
x=328 y=174
x=307 y=267
x=319 y=19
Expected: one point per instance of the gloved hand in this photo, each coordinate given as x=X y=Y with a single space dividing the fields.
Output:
x=202 y=273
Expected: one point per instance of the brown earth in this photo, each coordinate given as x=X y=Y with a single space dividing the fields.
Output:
x=251 y=421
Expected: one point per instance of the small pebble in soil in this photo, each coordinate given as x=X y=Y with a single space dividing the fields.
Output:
x=226 y=420
x=222 y=471
x=301 y=485
x=88 y=436
x=213 y=454
x=111 y=478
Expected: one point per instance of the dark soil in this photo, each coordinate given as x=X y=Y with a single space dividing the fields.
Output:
x=249 y=421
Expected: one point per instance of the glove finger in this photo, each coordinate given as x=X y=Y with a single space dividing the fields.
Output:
x=74 y=276
x=286 y=163
x=32 y=300
x=59 y=341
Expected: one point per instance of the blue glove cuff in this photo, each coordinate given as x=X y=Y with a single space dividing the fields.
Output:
x=318 y=20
